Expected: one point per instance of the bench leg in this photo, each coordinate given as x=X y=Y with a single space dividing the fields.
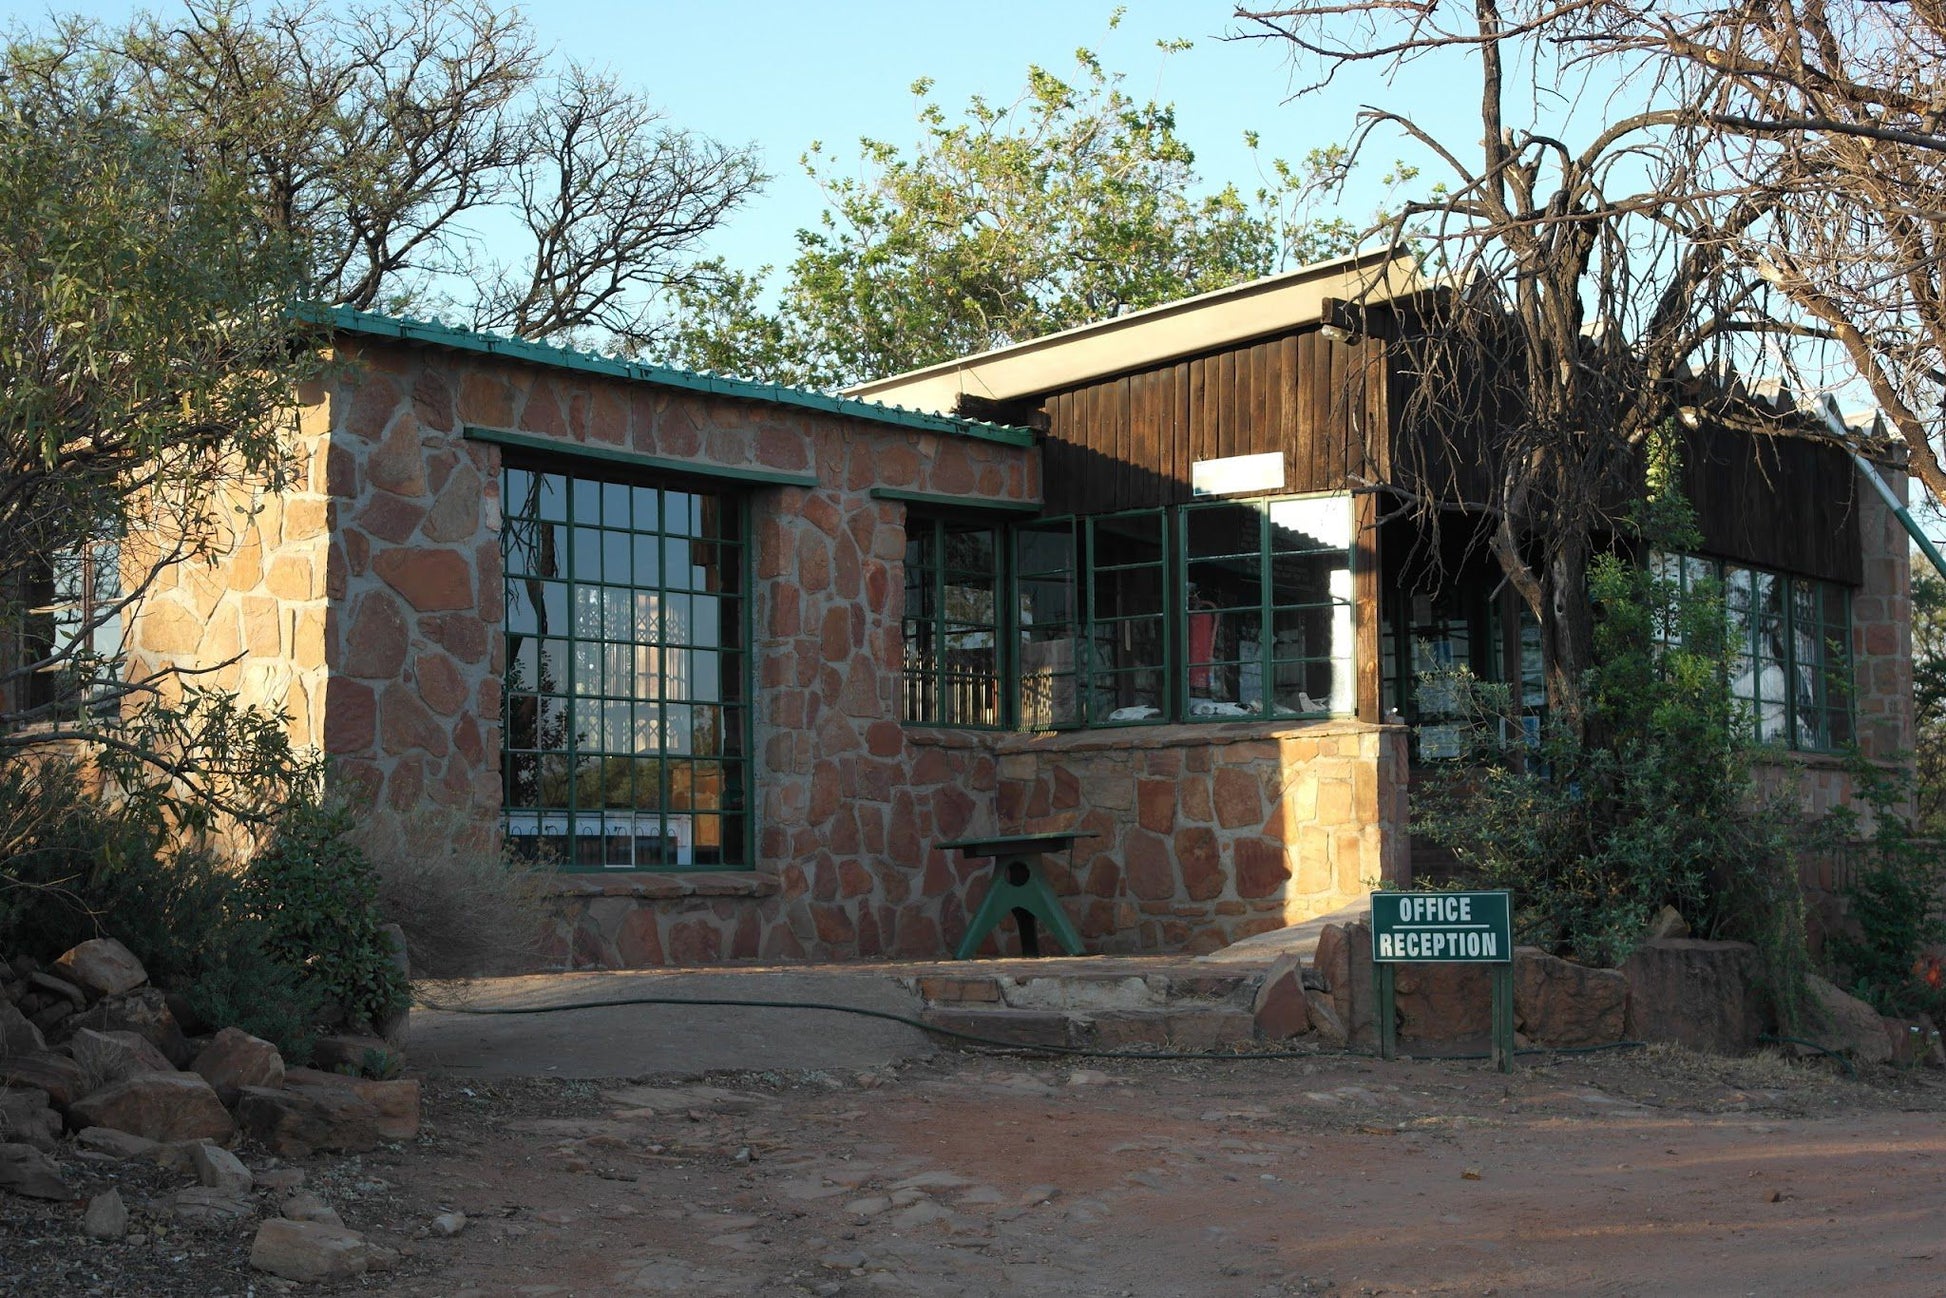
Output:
x=1017 y=885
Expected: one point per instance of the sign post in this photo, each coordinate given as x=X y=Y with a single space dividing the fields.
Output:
x=1444 y=928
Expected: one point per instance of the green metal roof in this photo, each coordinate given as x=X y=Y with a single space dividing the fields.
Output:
x=435 y=334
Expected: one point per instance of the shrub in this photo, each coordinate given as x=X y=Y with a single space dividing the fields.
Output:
x=315 y=896
x=1894 y=904
x=241 y=984
x=465 y=909
x=1651 y=805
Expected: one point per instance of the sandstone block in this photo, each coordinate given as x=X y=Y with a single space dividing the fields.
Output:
x=394 y=1103
x=1343 y=961
x=307 y=1251
x=219 y=1169
x=1559 y=1003
x=118 y=1144
x=102 y=967
x=18 y=1036
x=1281 y=1009
x=1694 y=993
x=158 y=1106
x=26 y=1118
x=62 y=1078
x=106 y=1218
x=116 y=1056
x=307 y=1206
x=1324 y=1017
x=295 y=1123
x=234 y=1059
x=144 y=1012
x=1845 y=1025
x=1444 y=1002
x=200 y=1203
x=27 y=1171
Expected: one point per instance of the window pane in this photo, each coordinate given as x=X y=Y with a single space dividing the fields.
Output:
x=1317 y=523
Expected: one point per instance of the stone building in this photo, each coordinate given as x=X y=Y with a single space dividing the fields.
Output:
x=736 y=659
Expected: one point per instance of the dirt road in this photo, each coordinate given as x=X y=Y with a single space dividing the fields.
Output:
x=1654 y=1173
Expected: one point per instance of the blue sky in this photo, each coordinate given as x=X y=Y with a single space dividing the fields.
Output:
x=781 y=75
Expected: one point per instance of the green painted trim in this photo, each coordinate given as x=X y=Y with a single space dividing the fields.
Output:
x=432 y=334
x=936 y=500
x=636 y=460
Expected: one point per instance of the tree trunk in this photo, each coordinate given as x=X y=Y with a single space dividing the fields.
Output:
x=1567 y=627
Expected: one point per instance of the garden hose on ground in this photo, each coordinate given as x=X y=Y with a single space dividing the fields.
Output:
x=974 y=1038
x=1850 y=1071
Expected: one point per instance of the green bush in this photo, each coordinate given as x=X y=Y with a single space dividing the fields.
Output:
x=1651 y=805
x=1896 y=913
x=316 y=896
x=241 y=984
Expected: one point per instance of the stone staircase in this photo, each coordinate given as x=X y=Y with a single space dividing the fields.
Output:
x=1097 y=1003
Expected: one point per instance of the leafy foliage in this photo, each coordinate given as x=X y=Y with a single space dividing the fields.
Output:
x=1004 y=223
x=1888 y=951
x=316 y=896
x=1652 y=805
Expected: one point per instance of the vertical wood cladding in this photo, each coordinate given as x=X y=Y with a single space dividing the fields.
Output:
x=1128 y=442
x=1787 y=503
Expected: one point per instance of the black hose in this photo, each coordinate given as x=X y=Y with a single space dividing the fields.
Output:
x=1850 y=1070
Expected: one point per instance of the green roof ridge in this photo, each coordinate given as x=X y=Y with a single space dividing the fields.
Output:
x=439 y=334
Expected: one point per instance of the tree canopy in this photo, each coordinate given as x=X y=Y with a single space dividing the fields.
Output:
x=1001 y=223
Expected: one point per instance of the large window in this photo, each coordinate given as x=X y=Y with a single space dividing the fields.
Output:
x=73 y=624
x=952 y=624
x=626 y=722
x=1224 y=610
x=1788 y=640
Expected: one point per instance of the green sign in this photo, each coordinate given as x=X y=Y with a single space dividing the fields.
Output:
x=1442 y=928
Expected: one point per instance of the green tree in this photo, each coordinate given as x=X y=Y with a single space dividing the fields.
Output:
x=1006 y=222
x=1929 y=700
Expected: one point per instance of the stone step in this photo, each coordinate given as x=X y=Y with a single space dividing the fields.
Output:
x=1081 y=992
x=1170 y=1027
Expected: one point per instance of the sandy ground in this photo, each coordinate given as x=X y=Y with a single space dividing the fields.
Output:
x=1653 y=1173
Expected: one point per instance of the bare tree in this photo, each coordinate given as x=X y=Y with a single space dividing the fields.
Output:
x=391 y=141
x=1583 y=284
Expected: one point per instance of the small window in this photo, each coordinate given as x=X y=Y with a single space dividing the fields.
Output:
x=952 y=624
x=73 y=626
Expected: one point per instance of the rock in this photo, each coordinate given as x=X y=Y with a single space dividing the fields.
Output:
x=1914 y=1042
x=161 y=1106
x=1559 y=1003
x=107 y=1140
x=297 y=1122
x=305 y=1206
x=102 y=967
x=144 y=1012
x=1280 y=1009
x=1843 y=1024
x=64 y=1080
x=396 y=1102
x=115 y=1056
x=26 y=1170
x=1667 y=923
x=1444 y=1002
x=347 y=1054
x=1693 y=993
x=219 y=1169
x=308 y=1251
x=26 y=1119
x=449 y=1224
x=1344 y=961
x=52 y=1015
x=202 y=1203
x=60 y=987
x=18 y=1036
x=234 y=1059
x=1324 y=1018
x=106 y=1218
x=280 y=1178
x=176 y=1155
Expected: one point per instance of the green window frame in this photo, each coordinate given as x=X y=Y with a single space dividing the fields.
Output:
x=626 y=725
x=1788 y=642
x=952 y=626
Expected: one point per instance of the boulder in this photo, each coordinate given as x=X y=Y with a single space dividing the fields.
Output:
x=1693 y=993
x=1560 y=1003
x=102 y=967
x=26 y=1119
x=346 y=1053
x=296 y=1122
x=144 y=1012
x=115 y=1056
x=1667 y=923
x=306 y=1206
x=396 y=1102
x=218 y=1169
x=1448 y=1003
x=234 y=1059
x=60 y=988
x=1324 y=1017
x=18 y=1035
x=308 y=1251
x=1843 y=1024
x=1343 y=961
x=203 y=1204
x=64 y=1080
x=1280 y=1009
x=160 y=1106
x=26 y=1170
x=178 y=1156
x=117 y=1144
x=1914 y=1042
x=107 y=1216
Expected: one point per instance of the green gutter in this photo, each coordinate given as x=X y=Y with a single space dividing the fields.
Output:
x=1836 y=423
x=371 y=324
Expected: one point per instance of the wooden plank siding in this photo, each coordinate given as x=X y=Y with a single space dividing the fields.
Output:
x=1129 y=441
x=1787 y=503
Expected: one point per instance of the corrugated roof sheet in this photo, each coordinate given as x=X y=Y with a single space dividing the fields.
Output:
x=434 y=333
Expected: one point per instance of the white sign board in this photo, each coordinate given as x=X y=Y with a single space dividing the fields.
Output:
x=1235 y=474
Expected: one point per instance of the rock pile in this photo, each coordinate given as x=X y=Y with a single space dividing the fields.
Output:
x=95 y=1065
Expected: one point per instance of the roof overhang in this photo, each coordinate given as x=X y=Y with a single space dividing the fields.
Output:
x=1149 y=337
